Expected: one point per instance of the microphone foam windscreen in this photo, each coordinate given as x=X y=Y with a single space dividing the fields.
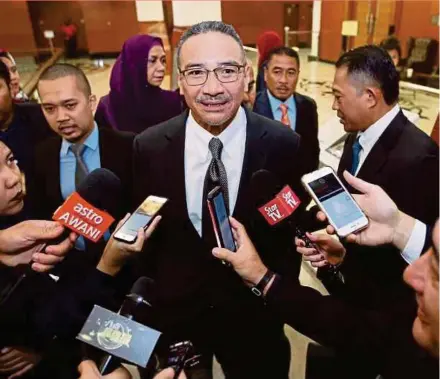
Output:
x=142 y=286
x=264 y=187
x=103 y=189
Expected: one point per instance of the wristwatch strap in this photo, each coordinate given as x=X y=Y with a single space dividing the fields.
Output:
x=259 y=288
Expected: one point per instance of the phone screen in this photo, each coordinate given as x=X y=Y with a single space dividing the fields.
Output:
x=137 y=220
x=141 y=217
x=222 y=218
x=338 y=204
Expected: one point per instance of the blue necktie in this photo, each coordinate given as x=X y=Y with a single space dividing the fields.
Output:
x=355 y=160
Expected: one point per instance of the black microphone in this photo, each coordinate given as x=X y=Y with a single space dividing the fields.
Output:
x=133 y=300
x=102 y=189
x=266 y=188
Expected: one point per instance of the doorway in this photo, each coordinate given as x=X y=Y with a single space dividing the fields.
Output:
x=298 y=17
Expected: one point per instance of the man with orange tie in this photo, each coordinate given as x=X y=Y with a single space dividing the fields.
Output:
x=280 y=102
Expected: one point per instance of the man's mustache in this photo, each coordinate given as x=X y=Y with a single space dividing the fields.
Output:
x=214 y=99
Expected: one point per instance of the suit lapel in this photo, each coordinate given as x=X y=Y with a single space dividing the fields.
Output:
x=265 y=106
x=299 y=123
x=380 y=151
x=174 y=164
x=105 y=156
x=347 y=156
x=254 y=159
x=53 y=169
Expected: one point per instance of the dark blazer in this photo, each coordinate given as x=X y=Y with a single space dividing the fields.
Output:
x=405 y=163
x=194 y=290
x=116 y=153
x=371 y=342
x=306 y=125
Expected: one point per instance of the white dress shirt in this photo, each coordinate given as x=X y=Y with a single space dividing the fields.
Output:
x=367 y=140
x=369 y=137
x=414 y=246
x=198 y=157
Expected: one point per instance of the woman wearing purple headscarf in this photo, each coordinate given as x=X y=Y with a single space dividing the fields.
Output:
x=136 y=101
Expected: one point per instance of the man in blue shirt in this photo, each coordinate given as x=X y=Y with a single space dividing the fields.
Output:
x=280 y=102
x=80 y=146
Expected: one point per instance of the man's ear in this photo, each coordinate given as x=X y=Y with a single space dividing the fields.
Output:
x=92 y=102
x=179 y=82
x=373 y=95
x=247 y=71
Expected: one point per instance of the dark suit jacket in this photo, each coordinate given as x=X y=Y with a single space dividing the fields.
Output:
x=404 y=162
x=45 y=192
x=190 y=282
x=116 y=155
x=306 y=125
x=372 y=342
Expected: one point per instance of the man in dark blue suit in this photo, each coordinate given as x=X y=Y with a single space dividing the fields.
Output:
x=280 y=102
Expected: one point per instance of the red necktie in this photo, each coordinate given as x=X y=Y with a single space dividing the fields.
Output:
x=284 y=116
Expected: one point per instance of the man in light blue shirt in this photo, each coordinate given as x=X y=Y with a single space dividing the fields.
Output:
x=281 y=102
x=68 y=164
x=64 y=161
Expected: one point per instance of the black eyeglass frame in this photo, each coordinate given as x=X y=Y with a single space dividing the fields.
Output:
x=239 y=66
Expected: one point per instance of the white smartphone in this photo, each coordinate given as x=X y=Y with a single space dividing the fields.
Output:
x=335 y=201
x=141 y=218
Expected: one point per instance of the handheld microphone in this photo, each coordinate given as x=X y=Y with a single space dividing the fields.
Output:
x=88 y=211
x=133 y=300
x=101 y=190
x=275 y=202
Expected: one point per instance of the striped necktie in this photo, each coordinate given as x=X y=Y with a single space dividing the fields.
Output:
x=284 y=115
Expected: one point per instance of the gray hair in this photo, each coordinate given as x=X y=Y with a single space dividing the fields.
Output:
x=206 y=27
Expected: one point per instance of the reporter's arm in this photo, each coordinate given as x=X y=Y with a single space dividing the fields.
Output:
x=116 y=253
x=323 y=318
x=27 y=241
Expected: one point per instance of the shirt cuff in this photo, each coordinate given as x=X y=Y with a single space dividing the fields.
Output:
x=414 y=246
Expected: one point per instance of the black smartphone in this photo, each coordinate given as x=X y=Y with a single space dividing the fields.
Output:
x=220 y=219
x=301 y=234
x=141 y=218
x=179 y=353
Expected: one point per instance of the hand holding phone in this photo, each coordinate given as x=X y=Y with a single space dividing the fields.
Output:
x=342 y=211
x=141 y=218
x=181 y=355
x=220 y=220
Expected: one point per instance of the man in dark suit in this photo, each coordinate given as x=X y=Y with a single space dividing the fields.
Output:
x=80 y=147
x=386 y=149
x=281 y=102
x=216 y=142
x=68 y=105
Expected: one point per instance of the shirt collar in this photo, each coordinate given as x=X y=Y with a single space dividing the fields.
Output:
x=200 y=137
x=370 y=136
x=91 y=142
x=275 y=103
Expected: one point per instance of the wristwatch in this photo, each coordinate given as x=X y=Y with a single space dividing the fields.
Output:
x=259 y=288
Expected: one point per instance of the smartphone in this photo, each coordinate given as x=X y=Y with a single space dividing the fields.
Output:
x=301 y=234
x=179 y=354
x=335 y=201
x=141 y=218
x=220 y=219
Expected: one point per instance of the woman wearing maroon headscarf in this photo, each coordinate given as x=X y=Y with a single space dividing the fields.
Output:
x=266 y=42
x=136 y=101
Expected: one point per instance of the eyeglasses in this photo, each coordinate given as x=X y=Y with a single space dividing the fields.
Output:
x=224 y=74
